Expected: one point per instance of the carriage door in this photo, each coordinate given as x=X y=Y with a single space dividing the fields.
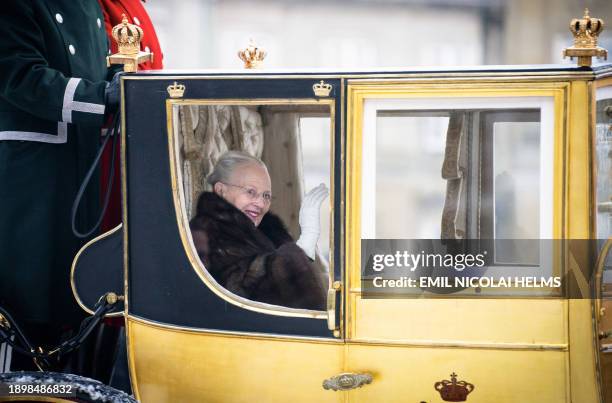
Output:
x=190 y=339
x=450 y=289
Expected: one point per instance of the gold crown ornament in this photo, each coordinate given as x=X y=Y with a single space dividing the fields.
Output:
x=322 y=89
x=128 y=37
x=586 y=31
x=252 y=56
x=176 y=90
x=453 y=390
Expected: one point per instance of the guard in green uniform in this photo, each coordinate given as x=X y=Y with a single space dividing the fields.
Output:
x=52 y=105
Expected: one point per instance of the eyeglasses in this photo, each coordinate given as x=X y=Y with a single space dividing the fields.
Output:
x=252 y=193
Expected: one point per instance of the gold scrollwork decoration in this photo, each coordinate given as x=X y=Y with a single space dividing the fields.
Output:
x=347 y=381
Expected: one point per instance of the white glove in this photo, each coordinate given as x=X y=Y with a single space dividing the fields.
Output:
x=310 y=219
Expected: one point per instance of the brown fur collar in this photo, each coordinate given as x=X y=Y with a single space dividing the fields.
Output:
x=213 y=207
x=260 y=263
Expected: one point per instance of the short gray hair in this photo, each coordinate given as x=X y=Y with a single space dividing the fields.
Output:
x=229 y=161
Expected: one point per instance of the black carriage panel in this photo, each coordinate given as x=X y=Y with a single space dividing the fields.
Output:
x=163 y=286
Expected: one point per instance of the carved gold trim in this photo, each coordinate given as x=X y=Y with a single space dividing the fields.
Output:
x=124 y=209
x=183 y=221
x=603 y=82
x=399 y=76
x=460 y=344
x=578 y=211
x=73 y=267
x=232 y=333
x=340 y=333
x=560 y=347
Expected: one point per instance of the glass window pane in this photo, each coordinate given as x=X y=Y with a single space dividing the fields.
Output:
x=481 y=176
x=516 y=170
x=409 y=154
x=243 y=218
x=603 y=136
x=316 y=152
x=603 y=154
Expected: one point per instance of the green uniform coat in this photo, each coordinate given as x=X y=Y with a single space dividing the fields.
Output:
x=52 y=81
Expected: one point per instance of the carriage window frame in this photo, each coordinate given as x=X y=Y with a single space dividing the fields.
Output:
x=366 y=99
x=182 y=216
x=487 y=216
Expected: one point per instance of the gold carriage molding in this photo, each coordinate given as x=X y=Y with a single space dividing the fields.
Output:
x=128 y=37
x=586 y=31
x=453 y=390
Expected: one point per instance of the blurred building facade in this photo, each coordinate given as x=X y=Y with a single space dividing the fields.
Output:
x=198 y=34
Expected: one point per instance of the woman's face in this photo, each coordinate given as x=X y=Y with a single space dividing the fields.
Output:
x=248 y=189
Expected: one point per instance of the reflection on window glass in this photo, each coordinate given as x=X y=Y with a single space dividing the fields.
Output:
x=516 y=160
x=443 y=183
x=517 y=183
x=409 y=189
x=455 y=175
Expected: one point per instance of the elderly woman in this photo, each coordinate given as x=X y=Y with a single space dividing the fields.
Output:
x=247 y=249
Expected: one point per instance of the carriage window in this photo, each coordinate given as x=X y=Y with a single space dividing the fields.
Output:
x=478 y=178
x=407 y=179
x=603 y=150
x=603 y=136
x=294 y=142
x=454 y=174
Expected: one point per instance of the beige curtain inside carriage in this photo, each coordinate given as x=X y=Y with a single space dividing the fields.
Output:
x=454 y=171
x=283 y=156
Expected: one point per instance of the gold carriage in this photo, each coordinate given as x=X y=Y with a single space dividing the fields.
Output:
x=518 y=154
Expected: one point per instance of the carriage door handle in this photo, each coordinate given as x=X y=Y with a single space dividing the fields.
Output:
x=347 y=381
x=331 y=306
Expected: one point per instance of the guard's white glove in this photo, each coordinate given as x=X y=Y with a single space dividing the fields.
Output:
x=310 y=219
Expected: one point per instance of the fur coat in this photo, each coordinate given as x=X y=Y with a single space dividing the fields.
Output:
x=259 y=263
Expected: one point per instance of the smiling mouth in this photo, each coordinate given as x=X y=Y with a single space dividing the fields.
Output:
x=252 y=214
